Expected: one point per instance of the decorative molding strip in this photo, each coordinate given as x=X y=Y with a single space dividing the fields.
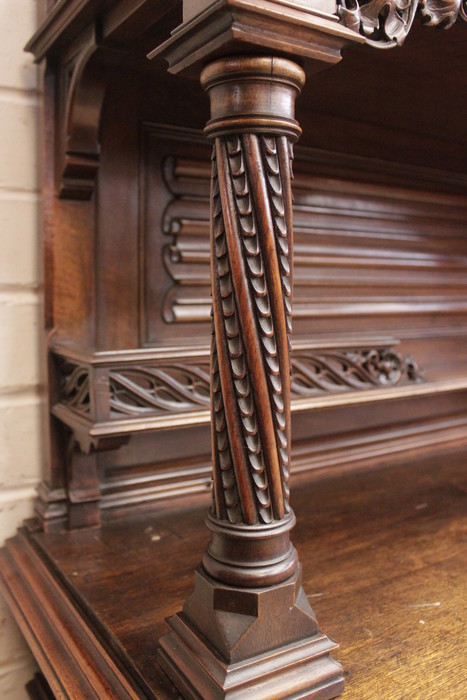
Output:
x=199 y=311
x=25 y=576
x=161 y=387
x=386 y=23
x=110 y=434
x=311 y=456
x=316 y=163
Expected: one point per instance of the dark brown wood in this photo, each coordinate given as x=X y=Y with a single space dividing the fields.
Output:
x=239 y=27
x=396 y=598
x=343 y=281
x=39 y=689
x=251 y=238
x=378 y=357
x=248 y=627
x=72 y=659
x=393 y=267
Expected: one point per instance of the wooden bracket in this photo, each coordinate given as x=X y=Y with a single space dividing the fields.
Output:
x=82 y=486
x=83 y=79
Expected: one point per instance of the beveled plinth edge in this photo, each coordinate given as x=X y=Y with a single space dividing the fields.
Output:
x=235 y=26
x=301 y=671
x=240 y=623
x=67 y=648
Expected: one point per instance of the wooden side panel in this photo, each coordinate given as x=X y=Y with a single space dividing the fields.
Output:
x=120 y=220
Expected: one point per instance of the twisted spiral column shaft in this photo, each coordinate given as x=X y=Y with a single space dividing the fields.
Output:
x=253 y=128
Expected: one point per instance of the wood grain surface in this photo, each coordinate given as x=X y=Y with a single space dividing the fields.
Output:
x=384 y=557
x=380 y=239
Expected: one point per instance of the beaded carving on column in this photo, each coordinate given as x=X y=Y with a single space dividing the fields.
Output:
x=251 y=217
x=248 y=629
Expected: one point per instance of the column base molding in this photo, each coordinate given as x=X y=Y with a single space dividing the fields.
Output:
x=213 y=653
x=302 y=671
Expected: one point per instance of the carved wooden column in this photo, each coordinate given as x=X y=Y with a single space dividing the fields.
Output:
x=248 y=629
x=252 y=129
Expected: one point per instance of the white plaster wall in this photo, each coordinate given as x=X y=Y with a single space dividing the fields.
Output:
x=20 y=307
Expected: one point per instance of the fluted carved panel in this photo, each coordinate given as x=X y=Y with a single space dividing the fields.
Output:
x=364 y=250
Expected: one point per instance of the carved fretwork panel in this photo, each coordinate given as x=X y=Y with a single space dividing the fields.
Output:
x=160 y=389
x=132 y=388
x=122 y=405
x=367 y=254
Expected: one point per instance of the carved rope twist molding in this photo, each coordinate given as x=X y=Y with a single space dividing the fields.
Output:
x=386 y=23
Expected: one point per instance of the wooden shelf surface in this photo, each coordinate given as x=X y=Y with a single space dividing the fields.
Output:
x=383 y=561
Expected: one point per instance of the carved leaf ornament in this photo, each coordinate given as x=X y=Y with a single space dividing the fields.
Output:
x=386 y=23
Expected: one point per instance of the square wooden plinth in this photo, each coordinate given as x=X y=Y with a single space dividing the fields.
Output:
x=301 y=671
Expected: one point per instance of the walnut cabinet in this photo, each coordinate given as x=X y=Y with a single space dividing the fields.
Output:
x=255 y=250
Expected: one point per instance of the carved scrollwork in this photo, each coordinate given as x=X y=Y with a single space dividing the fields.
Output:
x=386 y=23
x=335 y=371
x=76 y=387
x=388 y=367
x=157 y=389
x=172 y=388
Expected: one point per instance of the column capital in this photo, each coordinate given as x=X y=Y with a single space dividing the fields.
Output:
x=294 y=30
x=253 y=94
